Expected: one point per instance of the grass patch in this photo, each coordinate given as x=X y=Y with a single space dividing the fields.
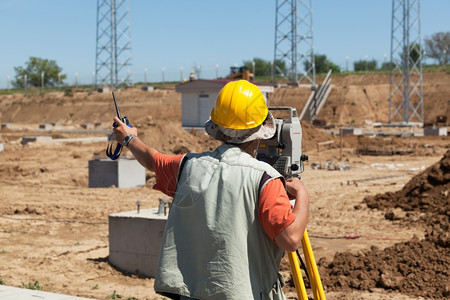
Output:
x=33 y=285
x=115 y=296
x=118 y=296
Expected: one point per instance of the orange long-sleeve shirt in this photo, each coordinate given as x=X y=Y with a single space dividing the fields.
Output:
x=274 y=208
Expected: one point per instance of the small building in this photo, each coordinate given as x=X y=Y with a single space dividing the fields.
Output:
x=198 y=98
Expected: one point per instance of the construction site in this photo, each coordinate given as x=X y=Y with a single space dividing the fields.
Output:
x=75 y=224
x=392 y=199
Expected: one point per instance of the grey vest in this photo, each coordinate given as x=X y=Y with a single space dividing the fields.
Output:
x=214 y=246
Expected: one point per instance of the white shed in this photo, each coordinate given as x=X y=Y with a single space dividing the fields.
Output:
x=198 y=97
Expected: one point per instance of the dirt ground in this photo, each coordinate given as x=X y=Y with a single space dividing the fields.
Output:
x=54 y=228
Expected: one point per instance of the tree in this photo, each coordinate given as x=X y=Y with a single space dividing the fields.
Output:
x=34 y=69
x=323 y=64
x=414 y=53
x=438 y=47
x=386 y=66
x=264 y=67
x=365 y=65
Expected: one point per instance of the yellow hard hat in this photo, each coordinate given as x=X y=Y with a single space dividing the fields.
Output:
x=239 y=105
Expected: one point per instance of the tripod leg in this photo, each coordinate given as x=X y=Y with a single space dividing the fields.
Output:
x=316 y=283
x=297 y=276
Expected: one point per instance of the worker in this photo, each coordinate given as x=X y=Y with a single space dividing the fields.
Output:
x=191 y=76
x=231 y=218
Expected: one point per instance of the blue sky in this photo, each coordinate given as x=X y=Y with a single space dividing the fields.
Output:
x=171 y=34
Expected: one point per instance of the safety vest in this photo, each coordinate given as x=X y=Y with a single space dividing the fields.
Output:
x=214 y=246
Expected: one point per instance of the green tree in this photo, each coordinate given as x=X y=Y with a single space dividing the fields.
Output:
x=34 y=68
x=323 y=64
x=365 y=65
x=414 y=50
x=386 y=66
x=438 y=47
x=264 y=67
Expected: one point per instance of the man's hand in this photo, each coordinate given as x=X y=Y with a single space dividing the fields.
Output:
x=143 y=153
x=123 y=130
x=293 y=186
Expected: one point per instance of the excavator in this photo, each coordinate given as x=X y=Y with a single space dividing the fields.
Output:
x=240 y=73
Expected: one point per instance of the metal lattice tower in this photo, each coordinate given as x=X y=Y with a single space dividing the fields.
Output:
x=294 y=40
x=406 y=82
x=113 y=60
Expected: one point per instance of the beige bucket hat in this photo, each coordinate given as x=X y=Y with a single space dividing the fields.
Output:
x=232 y=136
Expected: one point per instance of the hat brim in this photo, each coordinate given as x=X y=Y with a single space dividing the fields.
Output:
x=232 y=136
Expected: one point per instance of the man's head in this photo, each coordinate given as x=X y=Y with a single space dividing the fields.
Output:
x=240 y=114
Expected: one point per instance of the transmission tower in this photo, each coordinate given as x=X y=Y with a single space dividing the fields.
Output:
x=294 y=40
x=113 y=60
x=406 y=82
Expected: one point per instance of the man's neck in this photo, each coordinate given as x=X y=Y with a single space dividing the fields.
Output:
x=250 y=147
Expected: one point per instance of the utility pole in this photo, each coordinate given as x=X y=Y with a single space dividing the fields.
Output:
x=294 y=40
x=406 y=81
x=113 y=60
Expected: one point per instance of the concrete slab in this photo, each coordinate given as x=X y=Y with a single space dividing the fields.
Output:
x=39 y=139
x=88 y=126
x=7 y=125
x=82 y=140
x=122 y=173
x=13 y=293
x=103 y=90
x=46 y=126
x=147 y=88
x=135 y=240
x=354 y=131
x=442 y=131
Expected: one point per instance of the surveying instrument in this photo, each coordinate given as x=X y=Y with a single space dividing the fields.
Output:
x=284 y=152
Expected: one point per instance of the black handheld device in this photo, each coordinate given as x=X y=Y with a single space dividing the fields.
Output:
x=111 y=151
x=124 y=119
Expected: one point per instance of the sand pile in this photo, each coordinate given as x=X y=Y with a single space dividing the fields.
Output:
x=417 y=267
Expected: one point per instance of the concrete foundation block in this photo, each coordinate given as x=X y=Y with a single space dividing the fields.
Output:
x=88 y=126
x=7 y=125
x=122 y=173
x=354 y=131
x=2 y=147
x=442 y=131
x=30 y=139
x=103 y=90
x=135 y=240
x=46 y=126
x=147 y=88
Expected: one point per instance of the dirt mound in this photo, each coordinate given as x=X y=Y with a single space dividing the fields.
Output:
x=355 y=98
x=312 y=135
x=427 y=192
x=169 y=137
x=417 y=267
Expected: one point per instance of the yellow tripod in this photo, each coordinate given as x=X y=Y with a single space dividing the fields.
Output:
x=314 y=277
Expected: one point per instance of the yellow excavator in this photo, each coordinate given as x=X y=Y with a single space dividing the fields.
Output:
x=240 y=73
